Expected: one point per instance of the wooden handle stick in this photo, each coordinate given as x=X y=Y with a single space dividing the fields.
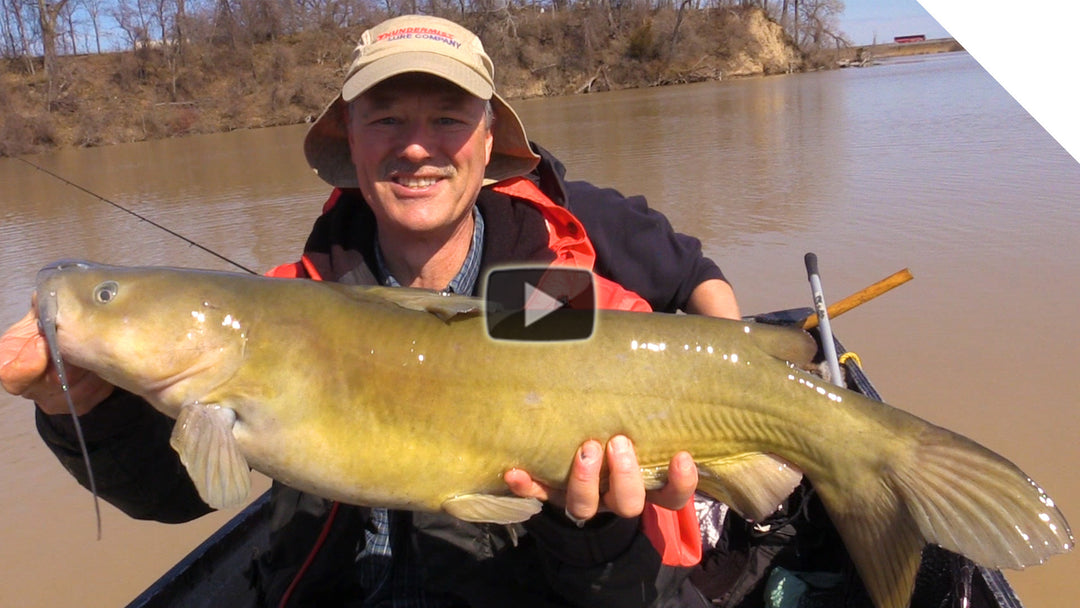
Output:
x=864 y=295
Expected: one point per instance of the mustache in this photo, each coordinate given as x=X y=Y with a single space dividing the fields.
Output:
x=426 y=169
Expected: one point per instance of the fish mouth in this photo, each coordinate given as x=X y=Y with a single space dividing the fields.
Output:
x=62 y=265
x=44 y=298
x=46 y=301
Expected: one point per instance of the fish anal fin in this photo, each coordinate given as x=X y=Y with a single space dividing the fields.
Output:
x=752 y=484
x=492 y=509
x=203 y=438
x=443 y=306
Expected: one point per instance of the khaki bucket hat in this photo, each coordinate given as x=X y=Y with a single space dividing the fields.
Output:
x=417 y=43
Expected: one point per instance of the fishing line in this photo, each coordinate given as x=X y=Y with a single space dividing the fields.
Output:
x=141 y=217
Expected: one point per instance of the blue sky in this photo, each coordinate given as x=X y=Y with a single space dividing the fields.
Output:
x=866 y=20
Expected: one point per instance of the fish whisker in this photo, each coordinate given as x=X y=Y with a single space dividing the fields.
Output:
x=47 y=322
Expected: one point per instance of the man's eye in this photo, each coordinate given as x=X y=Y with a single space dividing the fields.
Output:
x=454 y=121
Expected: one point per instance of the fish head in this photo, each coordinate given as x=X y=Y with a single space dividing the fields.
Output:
x=147 y=330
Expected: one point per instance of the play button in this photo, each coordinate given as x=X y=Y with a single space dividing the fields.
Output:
x=539 y=304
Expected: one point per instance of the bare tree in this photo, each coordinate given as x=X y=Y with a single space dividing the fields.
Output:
x=11 y=29
x=818 y=25
x=23 y=27
x=93 y=11
x=166 y=16
x=795 y=22
x=48 y=15
x=162 y=18
x=67 y=18
x=136 y=21
x=675 y=30
x=8 y=50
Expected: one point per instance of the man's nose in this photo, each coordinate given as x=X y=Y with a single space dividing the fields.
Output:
x=417 y=142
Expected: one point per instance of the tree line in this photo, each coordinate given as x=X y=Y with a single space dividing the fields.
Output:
x=49 y=28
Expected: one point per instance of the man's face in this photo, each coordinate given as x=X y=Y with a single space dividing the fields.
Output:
x=420 y=146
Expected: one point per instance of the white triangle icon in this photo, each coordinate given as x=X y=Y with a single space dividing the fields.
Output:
x=538 y=304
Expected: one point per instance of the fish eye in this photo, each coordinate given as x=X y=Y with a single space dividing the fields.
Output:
x=105 y=292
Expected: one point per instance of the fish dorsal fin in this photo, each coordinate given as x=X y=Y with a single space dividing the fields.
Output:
x=752 y=484
x=788 y=343
x=492 y=509
x=203 y=438
x=444 y=306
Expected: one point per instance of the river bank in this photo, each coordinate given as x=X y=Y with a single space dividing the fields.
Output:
x=867 y=54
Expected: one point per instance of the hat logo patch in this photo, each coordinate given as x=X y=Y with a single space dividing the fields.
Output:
x=419 y=33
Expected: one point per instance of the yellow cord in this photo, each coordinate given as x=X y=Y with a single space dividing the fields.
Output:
x=850 y=355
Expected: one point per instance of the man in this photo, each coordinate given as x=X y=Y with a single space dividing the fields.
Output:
x=434 y=182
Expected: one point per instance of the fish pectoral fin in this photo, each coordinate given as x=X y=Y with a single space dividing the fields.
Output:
x=752 y=484
x=444 y=306
x=489 y=508
x=203 y=438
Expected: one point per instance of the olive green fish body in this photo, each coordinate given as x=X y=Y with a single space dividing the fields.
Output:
x=397 y=398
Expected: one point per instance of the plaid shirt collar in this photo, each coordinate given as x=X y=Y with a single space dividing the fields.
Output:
x=465 y=281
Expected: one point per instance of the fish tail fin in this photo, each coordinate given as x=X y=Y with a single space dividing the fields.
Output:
x=970 y=500
x=952 y=492
x=885 y=545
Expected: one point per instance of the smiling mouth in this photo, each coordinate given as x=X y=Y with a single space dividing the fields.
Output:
x=416 y=182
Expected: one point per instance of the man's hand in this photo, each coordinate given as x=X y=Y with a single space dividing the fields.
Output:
x=25 y=371
x=626 y=494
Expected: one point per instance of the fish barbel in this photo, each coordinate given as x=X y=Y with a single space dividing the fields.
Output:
x=397 y=398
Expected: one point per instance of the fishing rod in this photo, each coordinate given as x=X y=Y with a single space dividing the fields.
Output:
x=139 y=216
x=827 y=344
